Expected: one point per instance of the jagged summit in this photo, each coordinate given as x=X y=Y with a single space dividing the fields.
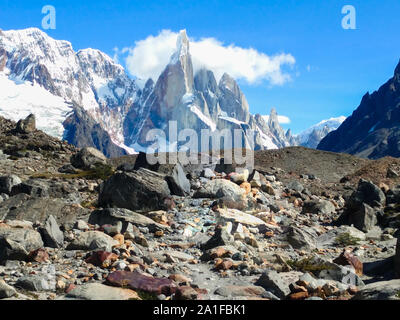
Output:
x=88 y=95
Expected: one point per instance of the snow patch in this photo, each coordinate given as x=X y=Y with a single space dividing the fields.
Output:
x=17 y=101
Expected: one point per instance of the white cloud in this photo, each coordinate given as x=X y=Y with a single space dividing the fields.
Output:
x=148 y=58
x=281 y=119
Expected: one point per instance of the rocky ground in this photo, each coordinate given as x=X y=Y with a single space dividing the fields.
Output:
x=304 y=224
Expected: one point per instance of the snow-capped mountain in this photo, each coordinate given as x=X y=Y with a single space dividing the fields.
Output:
x=88 y=99
x=311 y=137
x=196 y=101
x=88 y=78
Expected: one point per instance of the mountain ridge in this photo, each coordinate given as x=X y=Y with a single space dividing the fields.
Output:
x=372 y=131
x=98 y=90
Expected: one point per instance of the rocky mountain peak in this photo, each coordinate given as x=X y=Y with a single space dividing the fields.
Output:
x=182 y=61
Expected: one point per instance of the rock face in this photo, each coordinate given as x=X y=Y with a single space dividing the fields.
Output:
x=142 y=190
x=372 y=131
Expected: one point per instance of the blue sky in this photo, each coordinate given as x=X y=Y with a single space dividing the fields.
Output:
x=334 y=67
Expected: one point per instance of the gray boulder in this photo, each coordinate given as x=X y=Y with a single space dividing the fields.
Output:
x=318 y=207
x=273 y=282
x=220 y=238
x=295 y=185
x=6 y=291
x=366 y=193
x=8 y=182
x=92 y=240
x=88 y=158
x=34 y=282
x=220 y=188
x=142 y=190
x=364 y=218
x=113 y=216
x=26 y=125
x=177 y=181
x=17 y=243
x=301 y=239
x=52 y=236
x=24 y=207
x=382 y=290
x=34 y=188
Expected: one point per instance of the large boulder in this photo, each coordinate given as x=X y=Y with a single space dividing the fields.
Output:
x=221 y=188
x=16 y=243
x=92 y=240
x=177 y=181
x=88 y=158
x=32 y=187
x=141 y=190
x=24 y=207
x=301 y=238
x=318 y=207
x=52 y=236
x=113 y=216
x=366 y=193
x=277 y=283
x=382 y=290
x=364 y=219
x=142 y=162
x=98 y=291
x=26 y=125
x=8 y=182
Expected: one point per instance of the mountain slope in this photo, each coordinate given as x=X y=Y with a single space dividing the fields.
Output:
x=372 y=131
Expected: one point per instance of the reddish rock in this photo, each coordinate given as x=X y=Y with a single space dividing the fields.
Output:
x=138 y=281
x=223 y=265
x=102 y=258
x=39 y=255
x=347 y=258
x=220 y=252
x=298 y=295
